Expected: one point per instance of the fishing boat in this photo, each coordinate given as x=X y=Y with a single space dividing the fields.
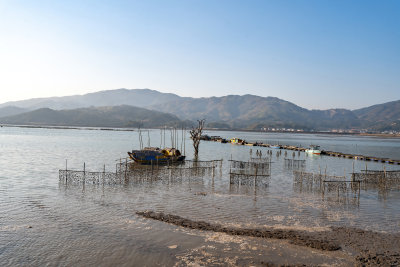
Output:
x=313 y=150
x=156 y=155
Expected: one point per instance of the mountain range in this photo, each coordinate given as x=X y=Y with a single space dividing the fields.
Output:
x=123 y=116
x=150 y=108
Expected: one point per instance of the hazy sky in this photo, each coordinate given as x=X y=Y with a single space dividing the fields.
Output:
x=316 y=54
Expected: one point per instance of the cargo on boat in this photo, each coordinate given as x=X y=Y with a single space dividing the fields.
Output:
x=237 y=141
x=156 y=155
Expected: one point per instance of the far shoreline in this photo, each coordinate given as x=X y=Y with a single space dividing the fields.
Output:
x=122 y=129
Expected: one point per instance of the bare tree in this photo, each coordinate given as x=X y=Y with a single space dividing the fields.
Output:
x=195 y=134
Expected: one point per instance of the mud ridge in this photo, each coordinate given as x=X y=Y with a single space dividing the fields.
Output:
x=373 y=248
x=300 y=238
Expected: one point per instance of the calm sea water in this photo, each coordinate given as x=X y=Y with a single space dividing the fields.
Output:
x=43 y=222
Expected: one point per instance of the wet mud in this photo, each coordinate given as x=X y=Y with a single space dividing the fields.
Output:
x=371 y=248
x=295 y=237
x=368 y=248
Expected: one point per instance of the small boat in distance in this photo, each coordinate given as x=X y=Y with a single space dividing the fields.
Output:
x=313 y=150
x=156 y=155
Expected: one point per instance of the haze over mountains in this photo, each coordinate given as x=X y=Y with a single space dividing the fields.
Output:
x=149 y=108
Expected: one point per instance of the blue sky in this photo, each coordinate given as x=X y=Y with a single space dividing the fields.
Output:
x=316 y=54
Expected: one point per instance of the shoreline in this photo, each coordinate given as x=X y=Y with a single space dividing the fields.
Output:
x=70 y=127
x=381 y=135
x=105 y=128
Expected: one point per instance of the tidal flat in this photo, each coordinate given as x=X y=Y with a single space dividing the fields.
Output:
x=192 y=218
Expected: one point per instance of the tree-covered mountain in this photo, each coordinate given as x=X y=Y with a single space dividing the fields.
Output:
x=232 y=111
x=117 y=116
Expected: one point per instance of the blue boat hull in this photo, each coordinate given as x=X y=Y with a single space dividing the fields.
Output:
x=154 y=157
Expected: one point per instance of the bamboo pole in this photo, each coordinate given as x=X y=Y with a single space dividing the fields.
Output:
x=66 y=171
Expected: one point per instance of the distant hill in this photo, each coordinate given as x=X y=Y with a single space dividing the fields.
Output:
x=135 y=97
x=118 y=116
x=389 y=111
x=381 y=117
x=226 y=112
x=334 y=118
x=231 y=107
x=11 y=110
x=254 y=112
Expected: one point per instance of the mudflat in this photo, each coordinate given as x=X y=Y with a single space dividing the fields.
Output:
x=367 y=248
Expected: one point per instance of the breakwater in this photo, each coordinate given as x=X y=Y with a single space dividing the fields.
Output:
x=302 y=149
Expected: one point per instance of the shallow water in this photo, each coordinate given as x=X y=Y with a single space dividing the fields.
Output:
x=43 y=221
